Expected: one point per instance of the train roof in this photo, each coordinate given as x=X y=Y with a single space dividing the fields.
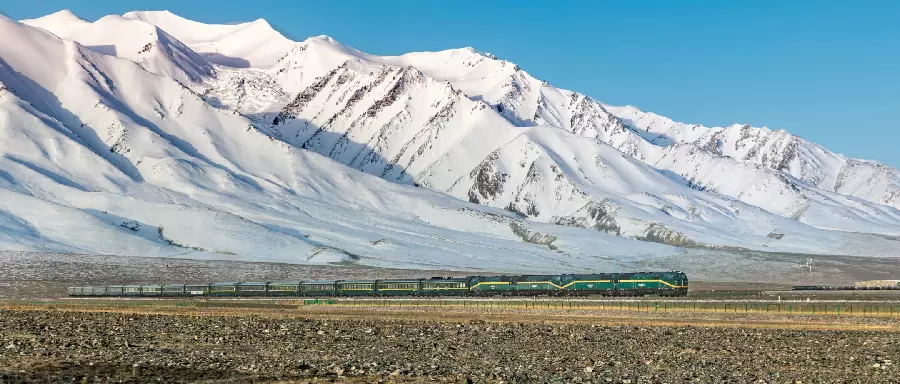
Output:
x=245 y=283
x=356 y=281
x=318 y=282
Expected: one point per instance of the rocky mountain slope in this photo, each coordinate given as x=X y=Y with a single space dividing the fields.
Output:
x=101 y=156
x=525 y=102
x=777 y=150
x=229 y=141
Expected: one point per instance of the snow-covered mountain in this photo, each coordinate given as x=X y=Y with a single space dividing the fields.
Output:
x=62 y=24
x=150 y=134
x=777 y=150
x=523 y=101
x=101 y=156
x=254 y=44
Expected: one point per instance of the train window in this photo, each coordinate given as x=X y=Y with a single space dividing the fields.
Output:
x=357 y=287
x=316 y=287
x=224 y=288
x=400 y=286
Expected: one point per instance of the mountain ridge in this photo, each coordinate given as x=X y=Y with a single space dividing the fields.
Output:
x=237 y=149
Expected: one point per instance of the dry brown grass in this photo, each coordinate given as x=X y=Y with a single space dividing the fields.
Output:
x=444 y=313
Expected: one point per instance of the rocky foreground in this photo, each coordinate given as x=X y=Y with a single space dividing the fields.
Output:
x=56 y=346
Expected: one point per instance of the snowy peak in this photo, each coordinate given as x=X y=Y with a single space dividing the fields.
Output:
x=134 y=40
x=189 y=31
x=62 y=16
x=63 y=23
x=147 y=45
x=310 y=59
x=253 y=44
x=777 y=150
x=36 y=55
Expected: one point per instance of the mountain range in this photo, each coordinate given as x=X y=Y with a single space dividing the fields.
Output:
x=149 y=134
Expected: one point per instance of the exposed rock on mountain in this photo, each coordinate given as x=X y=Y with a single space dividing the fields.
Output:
x=241 y=143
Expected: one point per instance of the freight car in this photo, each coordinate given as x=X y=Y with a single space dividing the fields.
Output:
x=607 y=284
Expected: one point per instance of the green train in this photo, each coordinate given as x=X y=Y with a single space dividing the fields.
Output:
x=607 y=284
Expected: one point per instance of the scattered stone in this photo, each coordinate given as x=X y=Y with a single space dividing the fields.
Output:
x=58 y=346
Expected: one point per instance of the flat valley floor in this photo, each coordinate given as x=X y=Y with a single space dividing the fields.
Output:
x=721 y=333
x=244 y=341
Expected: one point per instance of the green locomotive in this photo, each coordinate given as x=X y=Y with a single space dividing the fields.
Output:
x=607 y=284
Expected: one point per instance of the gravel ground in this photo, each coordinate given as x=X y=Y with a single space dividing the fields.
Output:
x=55 y=346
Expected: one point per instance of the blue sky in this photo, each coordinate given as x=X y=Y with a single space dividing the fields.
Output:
x=828 y=71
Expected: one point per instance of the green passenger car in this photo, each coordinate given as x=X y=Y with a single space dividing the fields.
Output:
x=445 y=286
x=223 y=289
x=284 y=288
x=114 y=290
x=397 y=287
x=251 y=289
x=355 y=287
x=318 y=288
x=173 y=290
x=151 y=290
x=131 y=290
x=196 y=290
